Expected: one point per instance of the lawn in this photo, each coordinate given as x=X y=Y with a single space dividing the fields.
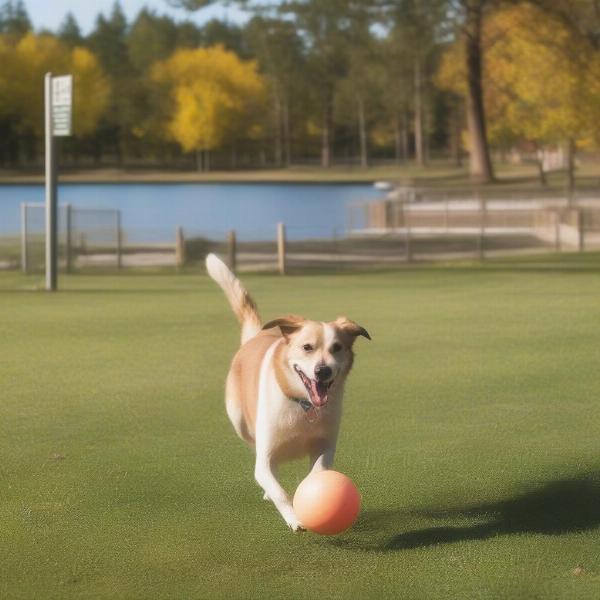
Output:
x=472 y=428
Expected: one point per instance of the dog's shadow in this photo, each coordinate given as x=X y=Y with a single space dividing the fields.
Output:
x=555 y=508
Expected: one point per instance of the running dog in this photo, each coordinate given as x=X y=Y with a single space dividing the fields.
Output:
x=285 y=386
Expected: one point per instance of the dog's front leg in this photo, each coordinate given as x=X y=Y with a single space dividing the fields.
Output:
x=322 y=459
x=265 y=477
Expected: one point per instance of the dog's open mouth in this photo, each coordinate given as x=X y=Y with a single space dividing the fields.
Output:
x=318 y=391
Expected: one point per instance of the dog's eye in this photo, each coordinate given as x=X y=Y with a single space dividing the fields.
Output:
x=336 y=348
x=308 y=347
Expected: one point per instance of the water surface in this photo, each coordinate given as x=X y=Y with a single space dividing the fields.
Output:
x=151 y=212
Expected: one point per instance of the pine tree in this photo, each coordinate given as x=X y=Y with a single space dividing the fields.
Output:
x=69 y=31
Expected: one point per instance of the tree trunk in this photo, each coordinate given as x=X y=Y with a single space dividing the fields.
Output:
x=571 y=171
x=362 y=133
x=278 y=131
x=398 y=141
x=455 y=141
x=326 y=136
x=539 y=161
x=405 y=137
x=287 y=142
x=480 y=164
x=419 y=140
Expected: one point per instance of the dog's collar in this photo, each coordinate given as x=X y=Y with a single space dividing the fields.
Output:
x=305 y=404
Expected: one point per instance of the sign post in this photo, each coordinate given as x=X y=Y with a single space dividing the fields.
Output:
x=58 y=104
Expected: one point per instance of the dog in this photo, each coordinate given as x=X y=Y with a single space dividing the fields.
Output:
x=284 y=389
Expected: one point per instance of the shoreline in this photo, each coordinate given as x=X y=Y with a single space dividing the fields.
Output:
x=114 y=176
x=436 y=176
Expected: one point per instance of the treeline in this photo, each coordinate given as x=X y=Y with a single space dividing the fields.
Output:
x=312 y=80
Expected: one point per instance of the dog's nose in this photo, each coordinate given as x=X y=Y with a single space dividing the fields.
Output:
x=323 y=372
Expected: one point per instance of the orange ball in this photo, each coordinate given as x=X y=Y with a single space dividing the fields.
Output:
x=327 y=502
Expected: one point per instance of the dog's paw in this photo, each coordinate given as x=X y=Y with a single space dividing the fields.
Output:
x=295 y=525
x=266 y=497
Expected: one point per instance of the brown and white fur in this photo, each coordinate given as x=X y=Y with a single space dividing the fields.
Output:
x=279 y=365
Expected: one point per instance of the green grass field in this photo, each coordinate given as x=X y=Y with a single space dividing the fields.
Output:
x=472 y=428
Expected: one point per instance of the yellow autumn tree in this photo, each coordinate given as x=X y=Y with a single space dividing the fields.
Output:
x=22 y=89
x=91 y=91
x=541 y=79
x=549 y=71
x=211 y=96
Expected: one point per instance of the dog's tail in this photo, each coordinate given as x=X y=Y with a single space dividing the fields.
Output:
x=240 y=300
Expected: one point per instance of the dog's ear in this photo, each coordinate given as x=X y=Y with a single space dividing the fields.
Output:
x=351 y=328
x=288 y=324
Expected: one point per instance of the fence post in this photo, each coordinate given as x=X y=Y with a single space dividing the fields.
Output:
x=446 y=215
x=350 y=218
x=232 y=249
x=281 y=248
x=408 y=241
x=24 y=265
x=179 y=247
x=557 y=243
x=481 y=239
x=581 y=228
x=119 y=241
x=68 y=245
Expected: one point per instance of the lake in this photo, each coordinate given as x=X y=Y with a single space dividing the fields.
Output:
x=151 y=212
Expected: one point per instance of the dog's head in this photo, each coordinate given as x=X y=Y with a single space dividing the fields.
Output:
x=317 y=356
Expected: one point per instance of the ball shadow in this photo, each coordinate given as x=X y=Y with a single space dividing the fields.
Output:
x=559 y=507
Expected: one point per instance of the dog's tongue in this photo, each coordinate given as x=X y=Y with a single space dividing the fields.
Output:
x=318 y=392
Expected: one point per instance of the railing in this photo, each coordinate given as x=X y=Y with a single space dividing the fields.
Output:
x=555 y=223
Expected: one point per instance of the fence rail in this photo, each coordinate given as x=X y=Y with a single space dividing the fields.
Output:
x=563 y=227
x=380 y=232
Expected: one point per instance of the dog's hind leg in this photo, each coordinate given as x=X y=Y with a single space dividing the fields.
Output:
x=234 y=409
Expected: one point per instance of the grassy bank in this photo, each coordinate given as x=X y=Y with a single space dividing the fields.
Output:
x=438 y=174
x=471 y=426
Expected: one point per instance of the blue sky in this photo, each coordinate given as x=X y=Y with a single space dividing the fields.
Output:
x=49 y=14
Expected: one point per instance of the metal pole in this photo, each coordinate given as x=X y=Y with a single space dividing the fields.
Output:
x=119 y=233
x=24 y=261
x=68 y=243
x=51 y=196
x=179 y=247
x=408 y=241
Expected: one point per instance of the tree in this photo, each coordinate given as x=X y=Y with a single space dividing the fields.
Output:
x=150 y=38
x=14 y=20
x=540 y=82
x=69 y=31
x=109 y=42
x=212 y=96
x=24 y=67
x=327 y=27
x=230 y=36
x=415 y=31
x=397 y=96
x=480 y=163
x=278 y=49
x=548 y=76
x=359 y=92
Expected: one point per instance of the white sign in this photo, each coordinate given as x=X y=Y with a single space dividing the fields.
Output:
x=62 y=102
